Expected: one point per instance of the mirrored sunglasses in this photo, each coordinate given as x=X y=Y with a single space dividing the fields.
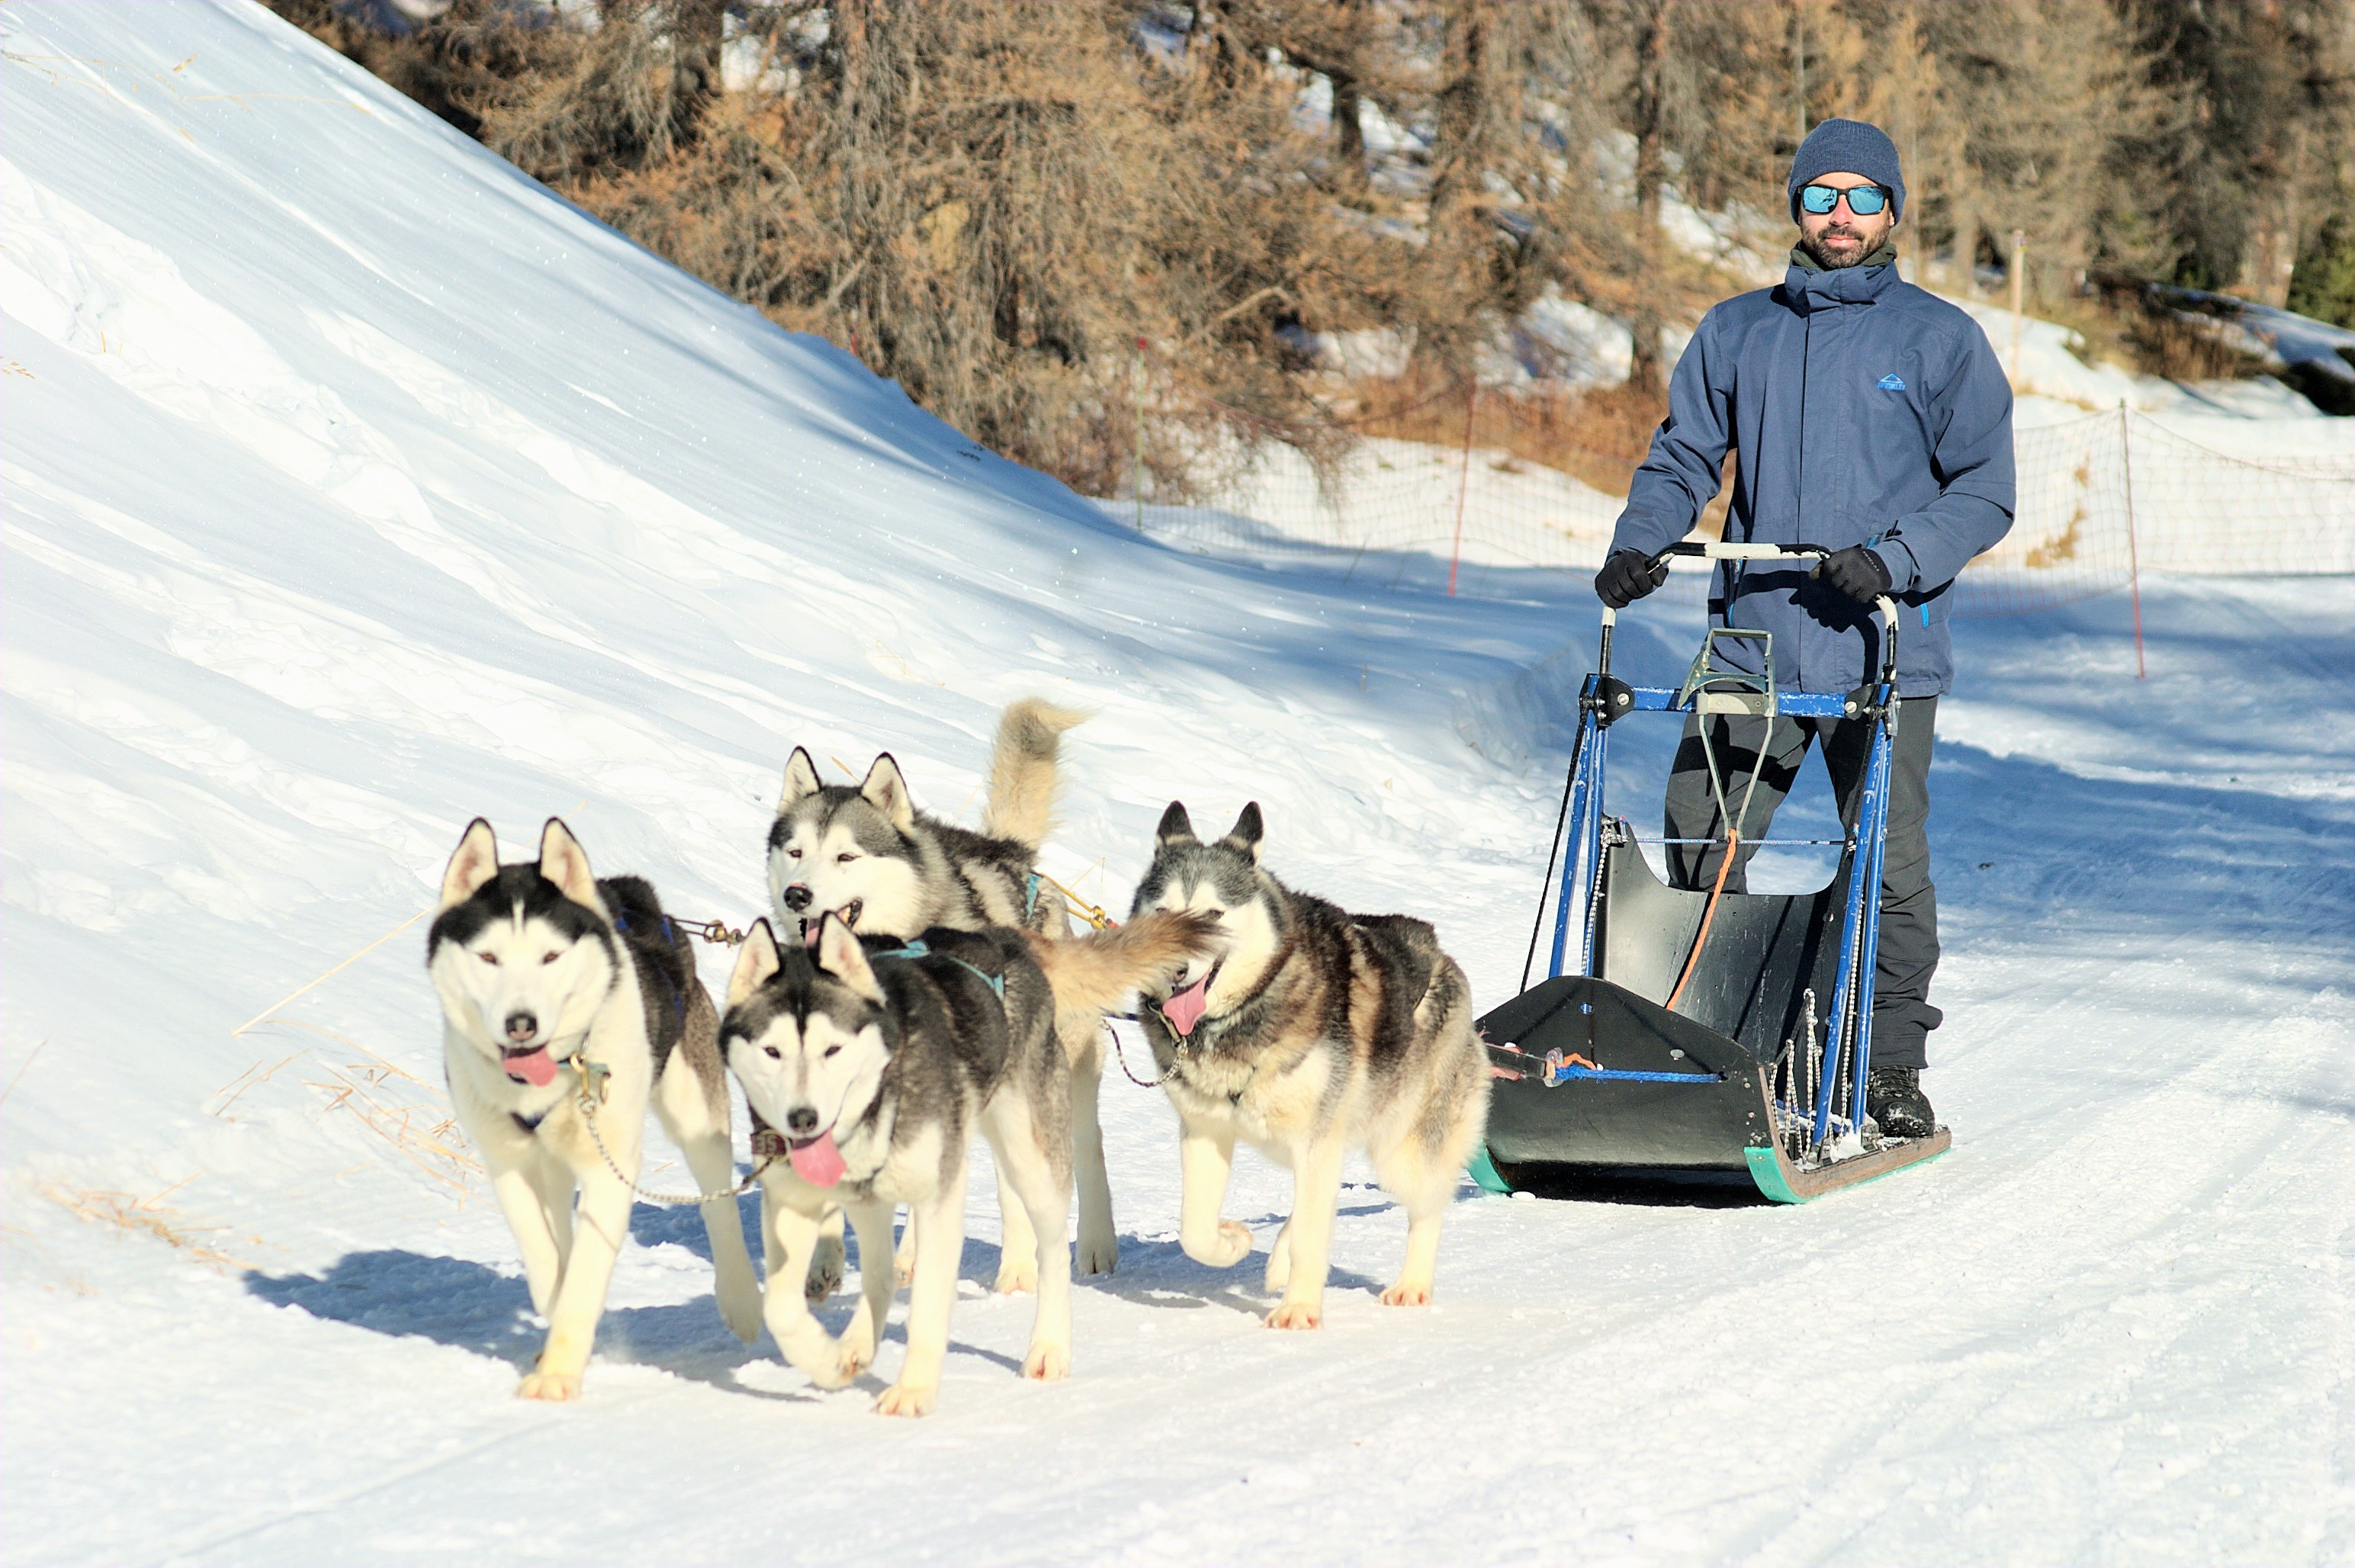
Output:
x=1864 y=200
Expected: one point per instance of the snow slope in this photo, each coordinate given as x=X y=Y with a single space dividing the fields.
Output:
x=355 y=486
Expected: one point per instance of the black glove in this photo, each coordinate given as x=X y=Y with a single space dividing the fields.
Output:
x=1626 y=577
x=1856 y=572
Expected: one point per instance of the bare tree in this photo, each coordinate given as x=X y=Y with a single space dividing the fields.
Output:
x=1648 y=117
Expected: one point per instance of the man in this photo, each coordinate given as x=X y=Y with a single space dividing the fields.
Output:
x=1871 y=418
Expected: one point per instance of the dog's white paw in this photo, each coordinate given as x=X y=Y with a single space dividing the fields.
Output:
x=839 y=1365
x=1405 y=1294
x=1230 y=1246
x=1297 y=1315
x=906 y=1399
x=855 y=1351
x=824 y=1270
x=1048 y=1364
x=549 y=1386
x=1096 y=1254
x=1016 y=1275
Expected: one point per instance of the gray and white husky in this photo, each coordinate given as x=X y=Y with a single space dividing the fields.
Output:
x=547 y=974
x=1314 y=1032
x=869 y=1068
x=869 y=857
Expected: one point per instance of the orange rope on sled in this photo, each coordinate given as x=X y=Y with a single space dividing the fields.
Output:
x=1733 y=840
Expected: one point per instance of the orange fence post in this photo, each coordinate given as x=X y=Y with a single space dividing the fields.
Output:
x=2134 y=564
x=1136 y=428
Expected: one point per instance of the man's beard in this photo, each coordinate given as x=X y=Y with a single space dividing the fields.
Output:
x=1832 y=261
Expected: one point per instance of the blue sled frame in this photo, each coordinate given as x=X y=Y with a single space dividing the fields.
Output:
x=1597 y=1072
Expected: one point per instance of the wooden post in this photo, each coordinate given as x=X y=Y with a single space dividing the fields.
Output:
x=1455 y=552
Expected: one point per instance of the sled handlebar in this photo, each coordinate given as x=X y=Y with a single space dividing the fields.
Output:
x=1724 y=549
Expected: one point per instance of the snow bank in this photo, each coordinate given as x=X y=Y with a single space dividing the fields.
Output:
x=354 y=485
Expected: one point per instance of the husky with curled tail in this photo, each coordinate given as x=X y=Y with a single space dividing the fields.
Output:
x=1314 y=1032
x=867 y=856
x=870 y=1066
x=551 y=978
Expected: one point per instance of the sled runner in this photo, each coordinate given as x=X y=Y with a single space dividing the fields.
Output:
x=1701 y=1030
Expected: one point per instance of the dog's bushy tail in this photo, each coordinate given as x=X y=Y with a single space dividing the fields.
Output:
x=1022 y=771
x=1094 y=971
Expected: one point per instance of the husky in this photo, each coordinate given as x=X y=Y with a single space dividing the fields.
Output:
x=866 y=855
x=559 y=990
x=1313 y=1033
x=870 y=1066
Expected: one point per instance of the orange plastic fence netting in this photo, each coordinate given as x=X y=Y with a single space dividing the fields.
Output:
x=2100 y=497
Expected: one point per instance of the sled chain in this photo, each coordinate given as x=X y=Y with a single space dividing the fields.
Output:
x=1121 y=1054
x=592 y=1091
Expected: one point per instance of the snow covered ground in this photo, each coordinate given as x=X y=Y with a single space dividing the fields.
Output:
x=355 y=486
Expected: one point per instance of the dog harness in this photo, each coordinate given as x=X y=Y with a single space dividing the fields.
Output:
x=916 y=949
x=677 y=996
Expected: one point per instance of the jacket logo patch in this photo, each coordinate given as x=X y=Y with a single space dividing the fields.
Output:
x=1892 y=382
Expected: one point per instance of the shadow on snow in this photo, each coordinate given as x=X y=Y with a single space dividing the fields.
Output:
x=475 y=1307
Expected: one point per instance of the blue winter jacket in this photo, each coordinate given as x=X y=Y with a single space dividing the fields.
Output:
x=1865 y=411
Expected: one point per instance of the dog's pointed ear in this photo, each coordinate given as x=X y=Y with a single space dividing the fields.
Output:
x=1176 y=827
x=475 y=863
x=839 y=954
x=801 y=780
x=565 y=863
x=1247 y=832
x=886 y=792
x=755 y=963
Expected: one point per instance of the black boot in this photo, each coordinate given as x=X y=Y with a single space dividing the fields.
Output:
x=1893 y=1098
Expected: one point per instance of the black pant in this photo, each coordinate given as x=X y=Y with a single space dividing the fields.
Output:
x=1903 y=1017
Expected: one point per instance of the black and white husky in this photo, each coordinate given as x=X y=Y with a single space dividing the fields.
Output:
x=548 y=978
x=869 y=1068
x=1314 y=1032
x=866 y=855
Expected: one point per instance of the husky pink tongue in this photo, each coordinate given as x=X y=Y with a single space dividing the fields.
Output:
x=818 y=1162
x=1185 y=1010
x=539 y=1069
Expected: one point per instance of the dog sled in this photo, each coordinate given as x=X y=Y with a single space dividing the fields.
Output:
x=1693 y=1032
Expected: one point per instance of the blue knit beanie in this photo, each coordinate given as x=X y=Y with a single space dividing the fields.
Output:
x=1848 y=146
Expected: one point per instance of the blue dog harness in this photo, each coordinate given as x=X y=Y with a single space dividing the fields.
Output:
x=916 y=949
x=677 y=996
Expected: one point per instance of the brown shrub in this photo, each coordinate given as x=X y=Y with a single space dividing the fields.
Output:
x=1597 y=436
